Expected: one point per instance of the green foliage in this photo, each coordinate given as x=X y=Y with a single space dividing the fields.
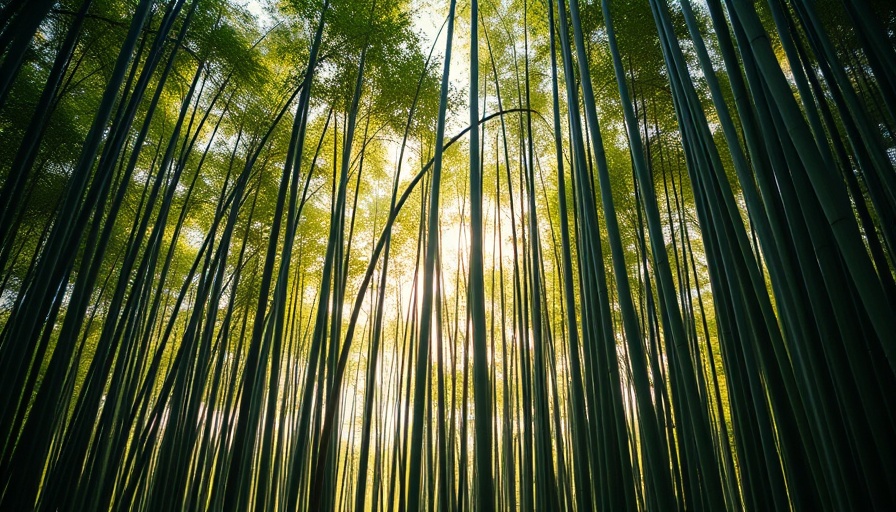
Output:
x=617 y=255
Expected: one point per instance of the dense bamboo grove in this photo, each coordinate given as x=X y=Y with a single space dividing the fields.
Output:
x=477 y=255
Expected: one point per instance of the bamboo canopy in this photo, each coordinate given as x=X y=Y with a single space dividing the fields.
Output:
x=416 y=255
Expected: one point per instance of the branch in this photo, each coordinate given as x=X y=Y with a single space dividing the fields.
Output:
x=387 y=229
